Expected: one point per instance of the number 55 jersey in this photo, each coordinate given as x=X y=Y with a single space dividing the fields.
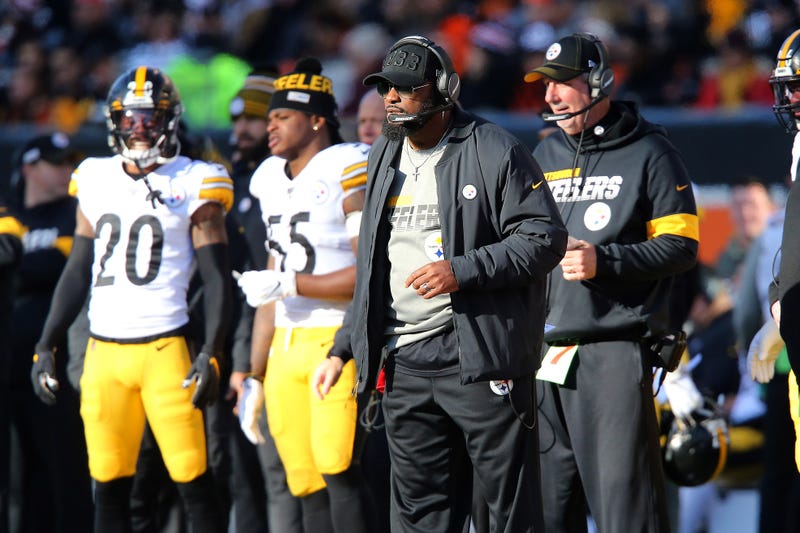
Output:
x=143 y=249
x=306 y=224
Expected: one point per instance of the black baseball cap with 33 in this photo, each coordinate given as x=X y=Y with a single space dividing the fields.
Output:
x=566 y=58
x=408 y=65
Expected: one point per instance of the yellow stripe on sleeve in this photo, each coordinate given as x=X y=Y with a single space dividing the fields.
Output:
x=218 y=189
x=73 y=188
x=64 y=244
x=354 y=176
x=354 y=183
x=11 y=226
x=682 y=224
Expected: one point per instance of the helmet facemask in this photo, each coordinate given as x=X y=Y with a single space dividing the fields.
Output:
x=142 y=114
x=154 y=141
x=785 y=110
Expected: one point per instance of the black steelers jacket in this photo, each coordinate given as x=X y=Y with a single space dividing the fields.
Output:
x=630 y=195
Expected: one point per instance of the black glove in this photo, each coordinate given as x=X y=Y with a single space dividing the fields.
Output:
x=43 y=375
x=205 y=370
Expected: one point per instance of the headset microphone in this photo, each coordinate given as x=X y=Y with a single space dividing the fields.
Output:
x=553 y=117
x=402 y=118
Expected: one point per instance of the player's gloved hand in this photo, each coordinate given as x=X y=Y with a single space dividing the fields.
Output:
x=251 y=407
x=43 y=374
x=682 y=393
x=205 y=371
x=265 y=286
x=764 y=350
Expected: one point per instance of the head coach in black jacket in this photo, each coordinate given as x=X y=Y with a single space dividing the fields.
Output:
x=458 y=234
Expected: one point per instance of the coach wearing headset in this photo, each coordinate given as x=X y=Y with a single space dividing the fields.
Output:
x=626 y=199
x=457 y=237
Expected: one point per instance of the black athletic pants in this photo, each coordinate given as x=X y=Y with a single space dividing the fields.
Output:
x=435 y=426
x=599 y=444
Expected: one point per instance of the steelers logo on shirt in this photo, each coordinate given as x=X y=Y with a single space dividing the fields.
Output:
x=597 y=216
x=245 y=204
x=433 y=246
x=321 y=192
x=176 y=196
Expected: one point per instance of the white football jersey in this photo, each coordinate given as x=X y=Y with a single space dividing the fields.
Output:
x=143 y=249
x=305 y=224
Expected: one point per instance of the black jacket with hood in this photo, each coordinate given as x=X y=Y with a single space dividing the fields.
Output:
x=632 y=198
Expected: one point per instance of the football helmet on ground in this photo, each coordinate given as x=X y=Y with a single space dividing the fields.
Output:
x=696 y=448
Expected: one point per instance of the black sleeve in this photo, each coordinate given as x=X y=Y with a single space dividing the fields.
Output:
x=242 y=315
x=10 y=249
x=341 y=341
x=665 y=255
x=213 y=264
x=790 y=245
x=70 y=293
x=789 y=281
x=774 y=292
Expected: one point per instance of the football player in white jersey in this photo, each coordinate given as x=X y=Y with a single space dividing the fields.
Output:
x=143 y=216
x=311 y=193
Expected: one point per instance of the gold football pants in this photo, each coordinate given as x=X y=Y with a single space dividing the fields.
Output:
x=122 y=383
x=794 y=410
x=313 y=436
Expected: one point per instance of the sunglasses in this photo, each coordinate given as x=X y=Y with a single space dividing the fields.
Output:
x=406 y=93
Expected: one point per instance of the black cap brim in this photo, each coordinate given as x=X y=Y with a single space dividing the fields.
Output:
x=57 y=158
x=552 y=72
x=398 y=79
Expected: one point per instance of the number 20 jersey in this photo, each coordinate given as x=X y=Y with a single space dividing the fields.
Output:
x=306 y=224
x=143 y=254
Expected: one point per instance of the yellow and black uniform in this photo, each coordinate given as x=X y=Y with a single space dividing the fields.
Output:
x=137 y=356
x=622 y=187
x=137 y=269
x=143 y=217
x=306 y=224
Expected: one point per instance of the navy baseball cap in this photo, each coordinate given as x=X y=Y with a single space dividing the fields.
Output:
x=566 y=58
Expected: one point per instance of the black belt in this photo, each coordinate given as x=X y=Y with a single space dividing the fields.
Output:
x=177 y=332
x=609 y=336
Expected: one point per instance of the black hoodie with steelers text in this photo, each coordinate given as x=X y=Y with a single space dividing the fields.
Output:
x=629 y=194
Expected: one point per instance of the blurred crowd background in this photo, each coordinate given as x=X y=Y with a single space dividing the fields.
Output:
x=58 y=57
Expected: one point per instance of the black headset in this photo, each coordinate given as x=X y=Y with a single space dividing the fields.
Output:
x=601 y=77
x=448 y=83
